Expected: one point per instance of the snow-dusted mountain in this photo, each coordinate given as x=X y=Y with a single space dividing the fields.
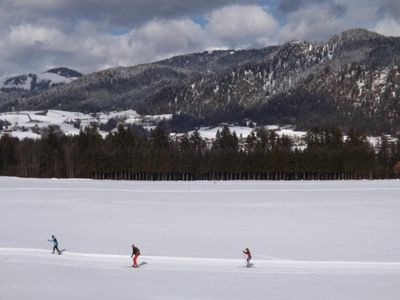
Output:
x=349 y=80
x=39 y=82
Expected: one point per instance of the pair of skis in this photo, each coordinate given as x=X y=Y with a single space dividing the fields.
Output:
x=61 y=251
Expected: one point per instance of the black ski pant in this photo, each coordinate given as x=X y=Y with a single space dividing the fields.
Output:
x=248 y=260
x=56 y=248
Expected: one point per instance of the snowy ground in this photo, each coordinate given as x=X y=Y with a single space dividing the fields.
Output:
x=310 y=240
x=30 y=124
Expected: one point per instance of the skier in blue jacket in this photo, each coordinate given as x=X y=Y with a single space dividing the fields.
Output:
x=55 y=244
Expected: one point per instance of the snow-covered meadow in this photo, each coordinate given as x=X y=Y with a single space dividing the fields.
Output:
x=30 y=124
x=23 y=124
x=309 y=240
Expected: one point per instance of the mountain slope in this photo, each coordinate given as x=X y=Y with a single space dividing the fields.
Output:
x=39 y=82
x=351 y=80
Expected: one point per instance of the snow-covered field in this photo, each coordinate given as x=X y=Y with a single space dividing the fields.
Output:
x=310 y=240
x=29 y=124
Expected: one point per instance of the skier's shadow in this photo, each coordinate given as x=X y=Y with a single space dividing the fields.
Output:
x=138 y=266
x=142 y=264
x=250 y=265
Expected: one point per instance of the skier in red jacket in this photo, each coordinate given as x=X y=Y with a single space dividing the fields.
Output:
x=248 y=256
x=135 y=255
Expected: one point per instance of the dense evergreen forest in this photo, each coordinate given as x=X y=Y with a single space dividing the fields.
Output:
x=135 y=154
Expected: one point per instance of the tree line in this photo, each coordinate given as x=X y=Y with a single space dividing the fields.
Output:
x=135 y=154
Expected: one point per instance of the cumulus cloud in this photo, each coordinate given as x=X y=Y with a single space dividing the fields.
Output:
x=25 y=35
x=312 y=23
x=40 y=34
x=160 y=39
x=241 y=25
x=388 y=26
x=114 y=13
x=86 y=47
x=391 y=8
x=318 y=20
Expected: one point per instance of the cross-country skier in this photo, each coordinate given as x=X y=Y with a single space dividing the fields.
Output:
x=248 y=256
x=135 y=255
x=55 y=244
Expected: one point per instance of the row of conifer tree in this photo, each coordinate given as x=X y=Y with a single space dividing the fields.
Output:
x=135 y=154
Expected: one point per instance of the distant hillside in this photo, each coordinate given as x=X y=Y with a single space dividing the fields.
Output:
x=350 y=80
x=38 y=82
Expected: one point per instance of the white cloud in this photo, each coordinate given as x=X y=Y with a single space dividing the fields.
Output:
x=312 y=23
x=388 y=26
x=85 y=47
x=241 y=26
x=39 y=34
x=35 y=48
x=28 y=34
x=112 y=14
x=391 y=8
x=162 y=38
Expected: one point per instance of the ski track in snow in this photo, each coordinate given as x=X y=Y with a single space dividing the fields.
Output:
x=169 y=263
x=310 y=240
x=113 y=190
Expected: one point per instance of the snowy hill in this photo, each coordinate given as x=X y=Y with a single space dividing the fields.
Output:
x=309 y=240
x=39 y=82
x=31 y=124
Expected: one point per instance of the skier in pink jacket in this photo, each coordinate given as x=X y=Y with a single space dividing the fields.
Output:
x=248 y=256
x=135 y=255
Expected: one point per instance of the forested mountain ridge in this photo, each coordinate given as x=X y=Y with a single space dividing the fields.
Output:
x=351 y=80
